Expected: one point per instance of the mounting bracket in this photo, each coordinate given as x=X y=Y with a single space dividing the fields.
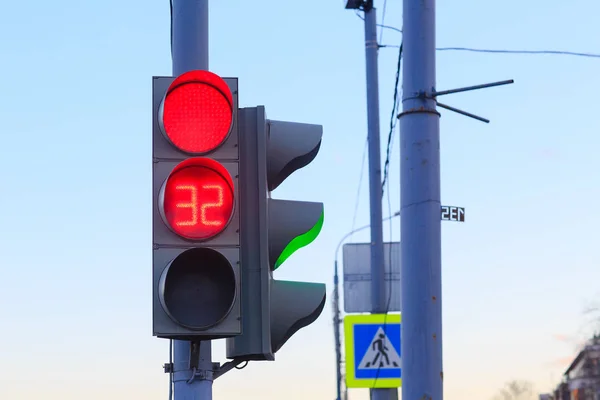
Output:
x=434 y=95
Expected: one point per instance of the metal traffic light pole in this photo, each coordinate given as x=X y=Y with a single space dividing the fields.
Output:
x=192 y=364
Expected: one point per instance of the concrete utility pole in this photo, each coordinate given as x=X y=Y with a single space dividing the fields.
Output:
x=422 y=372
x=192 y=367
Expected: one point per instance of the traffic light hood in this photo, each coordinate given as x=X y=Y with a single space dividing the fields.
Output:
x=290 y=146
x=292 y=225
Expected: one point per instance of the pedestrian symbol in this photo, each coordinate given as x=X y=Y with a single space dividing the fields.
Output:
x=373 y=358
x=381 y=354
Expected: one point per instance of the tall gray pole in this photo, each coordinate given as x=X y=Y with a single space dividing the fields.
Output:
x=378 y=297
x=420 y=226
x=192 y=370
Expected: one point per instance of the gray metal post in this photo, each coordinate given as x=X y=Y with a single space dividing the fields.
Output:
x=422 y=372
x=193 y=383
x=378 y=298
x=336 y=331
x=189 y=35
x=189 y=44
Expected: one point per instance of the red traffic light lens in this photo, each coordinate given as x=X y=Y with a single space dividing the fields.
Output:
x=197 y=112
x=198 y=199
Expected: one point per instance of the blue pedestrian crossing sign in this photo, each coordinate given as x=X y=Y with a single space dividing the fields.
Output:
x=373 y=358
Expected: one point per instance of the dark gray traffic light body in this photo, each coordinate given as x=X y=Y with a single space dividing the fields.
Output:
x=223 y=287
x=287 y=220
x=272 y=310
x=294 y=305
x=255 y=342
x=290 y=146
x=196 y=284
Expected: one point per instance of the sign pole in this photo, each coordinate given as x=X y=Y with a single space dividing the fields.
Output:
x=378 y=298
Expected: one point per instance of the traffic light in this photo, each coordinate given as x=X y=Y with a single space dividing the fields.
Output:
x=195 y=211
x=272 y=230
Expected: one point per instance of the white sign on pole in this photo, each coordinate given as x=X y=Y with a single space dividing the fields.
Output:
x=357 y=277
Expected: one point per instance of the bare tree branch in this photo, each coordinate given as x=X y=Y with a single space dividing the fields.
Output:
x=516 y=390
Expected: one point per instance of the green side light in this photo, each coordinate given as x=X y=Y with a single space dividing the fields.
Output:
x=300 y=241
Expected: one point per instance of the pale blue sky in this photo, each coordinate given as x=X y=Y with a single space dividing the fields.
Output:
x=75 y=162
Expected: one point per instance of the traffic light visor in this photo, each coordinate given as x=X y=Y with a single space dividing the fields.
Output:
x=197 y=199
x=197 y=112
x=198 y=288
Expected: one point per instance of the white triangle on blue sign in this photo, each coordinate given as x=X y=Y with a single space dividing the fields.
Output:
x=381 y=354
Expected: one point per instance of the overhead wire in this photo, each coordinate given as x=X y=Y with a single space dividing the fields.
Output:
x=555 y=52
x=360 y=178
x=382 y=21
x=357 y=200
x=171 y=16
x=393 y=121
x=392 y=28
x=501 y=51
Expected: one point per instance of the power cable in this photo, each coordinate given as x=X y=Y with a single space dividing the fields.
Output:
x=360 y=178
x=382 y=21
x=242 y=367
x=393 y=121
x=551 y=52
x=392 y=28
x=556 y=52
x=171 y=14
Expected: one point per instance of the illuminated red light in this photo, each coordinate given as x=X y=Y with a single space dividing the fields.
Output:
x=198 y=199
x=197 y=112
